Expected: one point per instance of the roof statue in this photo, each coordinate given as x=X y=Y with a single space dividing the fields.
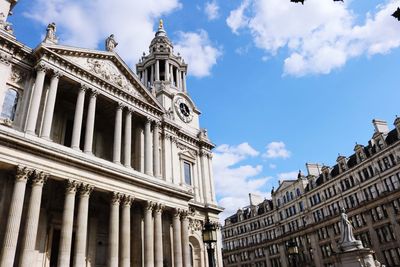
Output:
x=347 y=240
x=161 y=24
x=51 y=34
x=111 y=44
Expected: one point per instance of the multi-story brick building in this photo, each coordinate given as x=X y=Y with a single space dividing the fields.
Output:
x=305 y=212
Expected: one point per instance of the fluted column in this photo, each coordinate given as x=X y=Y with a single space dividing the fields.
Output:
x=158 y=241
x=76 y=132
x=148 y=160
x=157 y=70
x=82 y=225
x=117 y=134
x=156 y=149
x=36 y=98
x=32 y=219
x=126 y=232
x=128 y=138
x=148 y=236
x=90 y=122
x=176 y=225
x=14 y=217
x=114 y=231
x=185 y=239
x=49 y=109
x=67 y=225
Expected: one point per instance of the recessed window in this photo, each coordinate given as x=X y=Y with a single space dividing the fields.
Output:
x=187 y=170
x=10 y=104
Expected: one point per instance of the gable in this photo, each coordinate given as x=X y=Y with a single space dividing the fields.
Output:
x=284 y=185
x=107 y=66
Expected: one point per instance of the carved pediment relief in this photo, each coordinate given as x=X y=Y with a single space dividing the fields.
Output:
x=107 y=70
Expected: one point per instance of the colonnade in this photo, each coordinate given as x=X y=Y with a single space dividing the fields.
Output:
x=118 y=250
x=172 y=73
x=151 y=127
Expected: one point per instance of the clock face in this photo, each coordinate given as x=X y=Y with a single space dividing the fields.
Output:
x=182 y=107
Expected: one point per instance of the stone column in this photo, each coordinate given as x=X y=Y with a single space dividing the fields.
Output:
x=145 y=77
x=204 y=178
x=36 y=98
x=156 y=149
x=76 y=132
x=113 y=233
x=185 y=239
x=157 y=70
x=177 y=78
x=82 y=225
x=211 y=177
x=32 y=220
x=49 y=109
x=148 y=236
x=148 y=166
x=126 y=232
x=176 y=224
x=67 y=225
x=158 y=249
x=14 y=217
x=166 y=70
x=117 y=134
x=128 y=138
x=172 y=74
x=90 y=123
x=152 y=75
x=184 y=81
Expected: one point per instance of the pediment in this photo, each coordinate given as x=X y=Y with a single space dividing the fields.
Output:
x=284 y=185
x=188 y=154
x=109 y=67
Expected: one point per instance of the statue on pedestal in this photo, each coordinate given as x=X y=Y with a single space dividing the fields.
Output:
x=347 y=241
x=111 y=44
x=51 y=34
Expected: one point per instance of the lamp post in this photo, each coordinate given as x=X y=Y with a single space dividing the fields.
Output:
x=293 y=251
x=209 y=238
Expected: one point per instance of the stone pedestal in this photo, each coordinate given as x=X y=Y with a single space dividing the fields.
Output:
x=356 y=258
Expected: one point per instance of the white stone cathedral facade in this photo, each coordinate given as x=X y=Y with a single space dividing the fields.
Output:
x=100 y=165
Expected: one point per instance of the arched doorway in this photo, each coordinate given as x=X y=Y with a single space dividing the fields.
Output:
x=196 y=251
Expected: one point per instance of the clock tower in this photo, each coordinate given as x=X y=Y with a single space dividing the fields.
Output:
x=164 y=74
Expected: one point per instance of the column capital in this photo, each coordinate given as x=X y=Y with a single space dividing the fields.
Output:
x=116 y=198
x=39 y=177
x=23 y=173
x=127 y=200
x=84 y=87
x=41 y=67
x=57 y=74
x=149 y=205
x=72 y=186
x=158 y=207
x=120 y=105
x=94 y=92
x=184 y=214
x=157 y=124
x=177 y=213
x=85 y=189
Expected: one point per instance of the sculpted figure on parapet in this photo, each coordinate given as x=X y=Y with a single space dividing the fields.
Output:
x=111 y=44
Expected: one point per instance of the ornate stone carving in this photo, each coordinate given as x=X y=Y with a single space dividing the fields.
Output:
x=177 y=212
x=85 y=189
x=158 y=207
x=347 y=240
x=39 y=178
x=57 y=74
x=84 y=87
x=5 y=58
x=127 y=200
x=149 y=205
x=111 y=44
x=17 y=75
x=115 y=198
x=195 y=225
x=42 y=67
x=72 y=186
x=51 y=34
x=93 y=92
x=4 y=24
x=23 y=173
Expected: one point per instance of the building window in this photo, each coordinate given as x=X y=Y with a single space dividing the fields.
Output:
x=10 y=104
x=187 y=170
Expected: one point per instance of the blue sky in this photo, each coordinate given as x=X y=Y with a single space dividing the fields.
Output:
x=279 y=84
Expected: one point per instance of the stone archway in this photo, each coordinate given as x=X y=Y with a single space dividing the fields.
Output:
x=196 y=250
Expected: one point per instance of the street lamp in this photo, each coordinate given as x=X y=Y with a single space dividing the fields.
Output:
x=293 y=251
x=209 y=238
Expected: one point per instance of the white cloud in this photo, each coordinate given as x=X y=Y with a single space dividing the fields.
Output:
x=198 y=51
x=89 y=23
x=211 y=9
x=237 y=19
x=234 y=181
x=276 y=150
x=320 y=36
x=272 y=166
